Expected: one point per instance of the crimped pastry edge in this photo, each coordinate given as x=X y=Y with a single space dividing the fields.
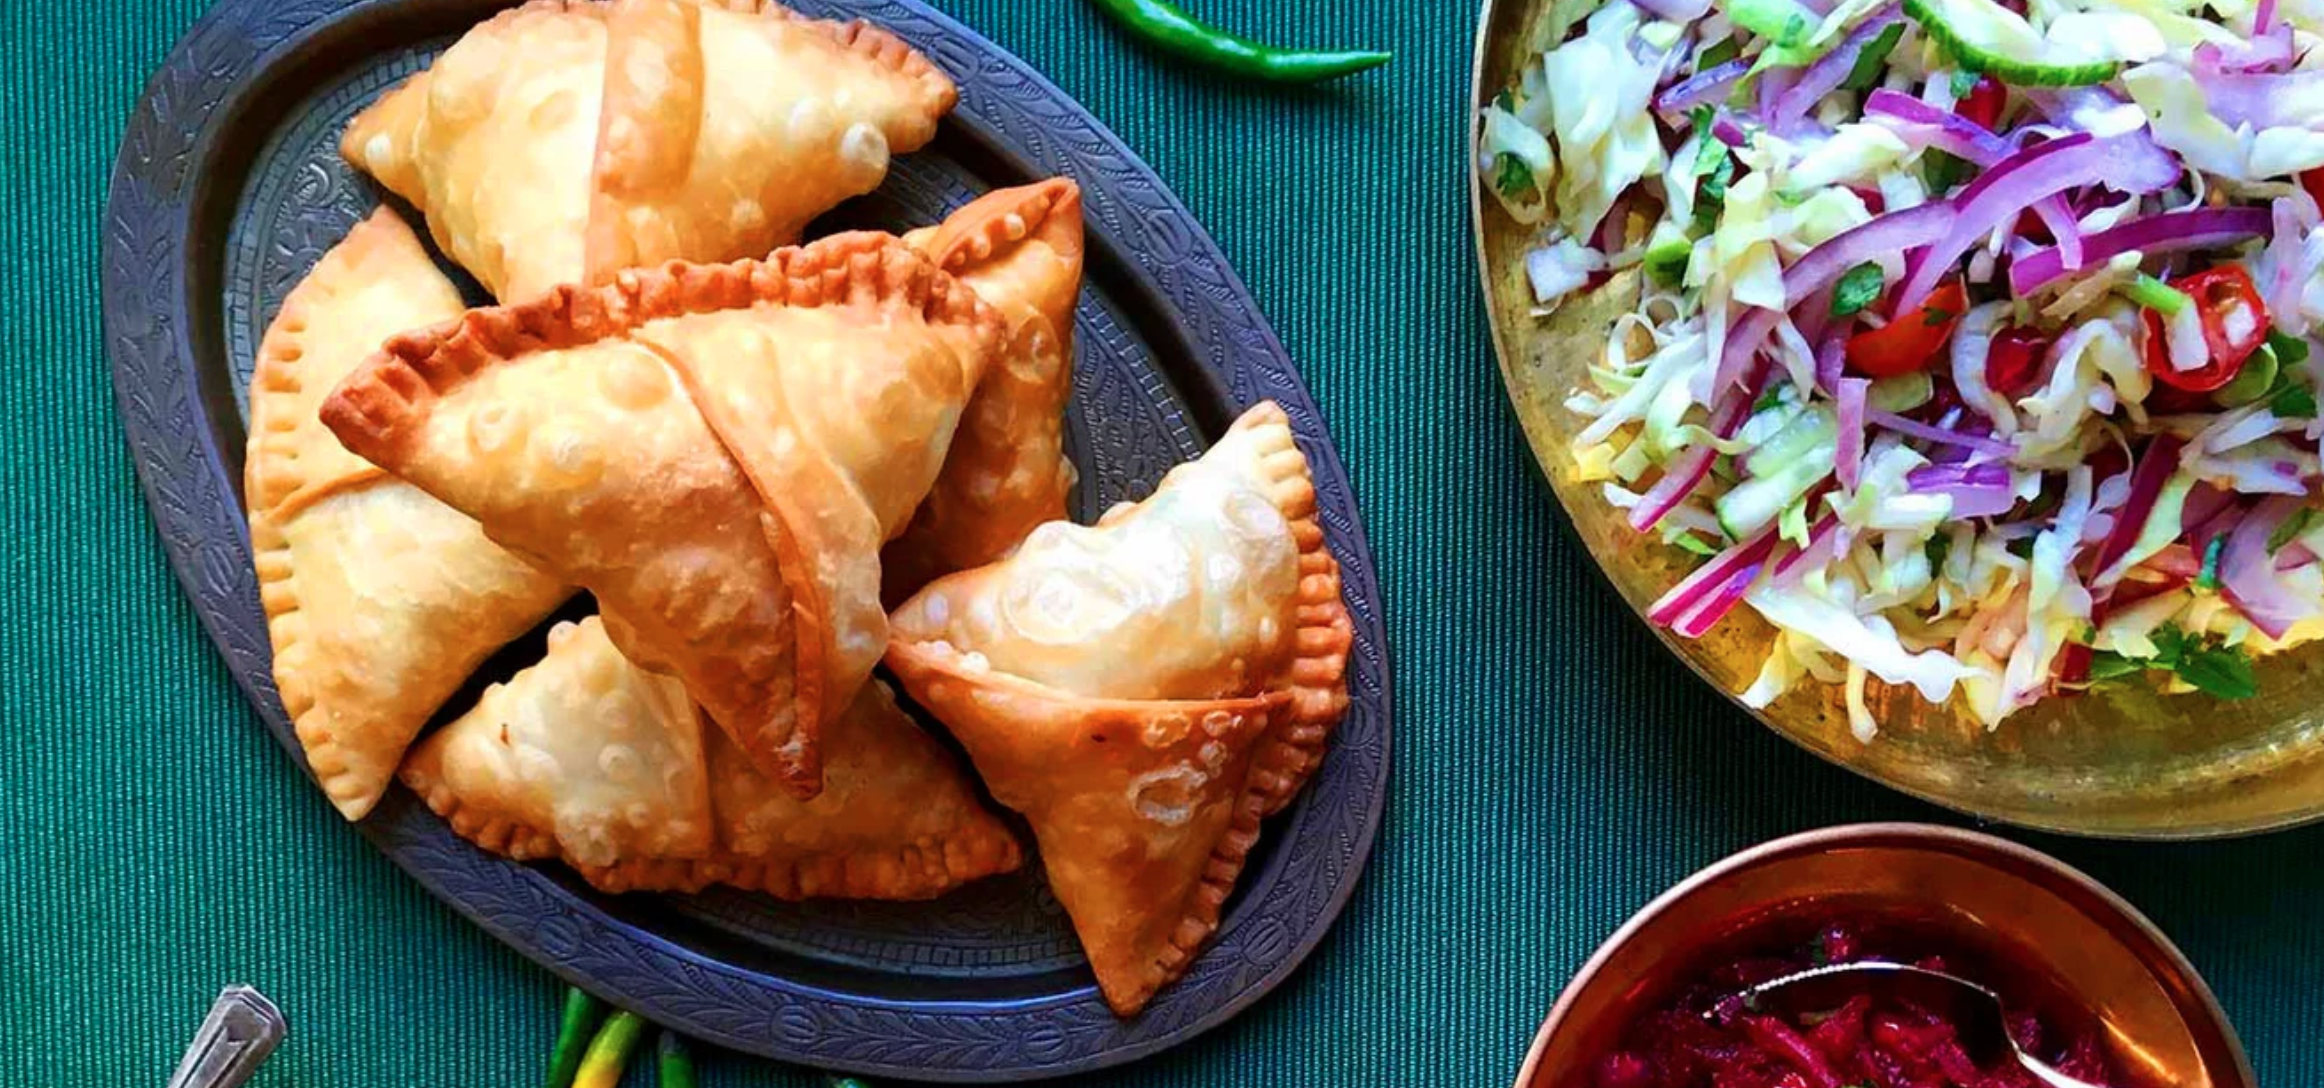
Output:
x=1200 y=914
x=1316 y=675
x=928 y=867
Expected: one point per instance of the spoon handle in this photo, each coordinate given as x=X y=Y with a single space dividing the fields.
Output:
x=240 y=1031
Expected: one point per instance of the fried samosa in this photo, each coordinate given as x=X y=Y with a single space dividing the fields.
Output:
x=1007 y=473
x=380 y=600
x=716 y=452
x=564 y=140
x=591 y=759
x=1146 y=691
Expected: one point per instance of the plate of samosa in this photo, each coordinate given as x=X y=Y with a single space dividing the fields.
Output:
x=775 y=514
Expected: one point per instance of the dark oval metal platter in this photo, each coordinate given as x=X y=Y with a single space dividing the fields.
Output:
x=228 y=188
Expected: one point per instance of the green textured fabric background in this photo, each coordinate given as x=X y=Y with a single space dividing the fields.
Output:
x=1555 y=768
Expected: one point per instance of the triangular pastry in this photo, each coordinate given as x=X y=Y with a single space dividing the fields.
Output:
x=1146 y=690
x=716 y=452
x=591 y=759
x=380 y=600
x=1020 y=250
x=564 y=140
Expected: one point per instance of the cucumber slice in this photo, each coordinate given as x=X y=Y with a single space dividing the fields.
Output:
x=1989 y=38
x=1900 y=393
x=2253 y=382
x=1781 y=471
x=1784 y=23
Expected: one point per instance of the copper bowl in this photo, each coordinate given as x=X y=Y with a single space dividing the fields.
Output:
x=1995 y=898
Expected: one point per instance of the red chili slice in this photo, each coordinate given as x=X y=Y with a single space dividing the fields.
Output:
x=1909 y=341
x=2235 y=324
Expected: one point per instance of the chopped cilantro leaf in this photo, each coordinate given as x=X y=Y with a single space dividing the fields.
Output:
x=2290 y=350
x=1726 y=50
x=1942 y=170
x=1711 y=199
x=1937 y=549
x=1511 y=175
x=2205 y=664
x=2022 y=547
x=2293 y=401
x=1507 y=100
x=1770 y=399
x=2107 y=665
x=1873 y=59
x=1933 y=316
x=2221 y=671
x=1694 y=544
x=1964 y=81
x=1858 y=287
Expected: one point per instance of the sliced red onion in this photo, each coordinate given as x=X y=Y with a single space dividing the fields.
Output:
x=1704 y=86
x=1829 y=71
x=2092 y=109
x=2264 y=99
x=1729 y=131
x=2000 y=194
x=1824 y=543
x=2063 y=228
x=1889 y=234
x=1917 y=429
x=2263 y=17
x=1677 y=11
x=1977 y=491
x=2247 y=574
x=2199 y=538
x=1706 y=614
x=2154 y=468
x=1946 y=131
x=2163 y=233
x=1830 y=355
x=1849 y=458
x=2204 y=502
x=1744 y=339
x=2284 y=279
x=1712 y=578
x=1686 y=472
x=2293 y=556
x=2265 y=52
x=2176 y=561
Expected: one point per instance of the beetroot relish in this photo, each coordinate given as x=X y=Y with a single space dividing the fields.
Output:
x=1709 y=1039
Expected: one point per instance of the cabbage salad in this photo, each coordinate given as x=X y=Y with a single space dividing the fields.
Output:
x=1972 y=348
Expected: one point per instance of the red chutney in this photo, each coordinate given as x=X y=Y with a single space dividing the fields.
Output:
x=1877 y=1042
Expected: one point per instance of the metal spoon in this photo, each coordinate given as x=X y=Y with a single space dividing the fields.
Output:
x=1975 y=1010
x=241 y=1030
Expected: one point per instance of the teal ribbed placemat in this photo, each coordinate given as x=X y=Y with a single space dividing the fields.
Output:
x=1556 y=768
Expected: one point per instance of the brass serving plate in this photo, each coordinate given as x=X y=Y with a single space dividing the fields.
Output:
x=2004 y=901
x=2119 y=764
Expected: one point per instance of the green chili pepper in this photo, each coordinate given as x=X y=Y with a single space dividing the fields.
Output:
x=581 y=1015
x=609 y=1051
x=676 y=1064
x=1181 y=35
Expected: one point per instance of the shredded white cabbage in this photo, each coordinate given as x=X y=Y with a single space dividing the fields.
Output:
x=1893 y=580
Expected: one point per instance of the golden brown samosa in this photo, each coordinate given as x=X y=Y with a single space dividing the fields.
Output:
x=564 y=140
x=717 y=452
x=1147 y=690
x=380 y=600
x=591 y=759
x=1021 y=250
